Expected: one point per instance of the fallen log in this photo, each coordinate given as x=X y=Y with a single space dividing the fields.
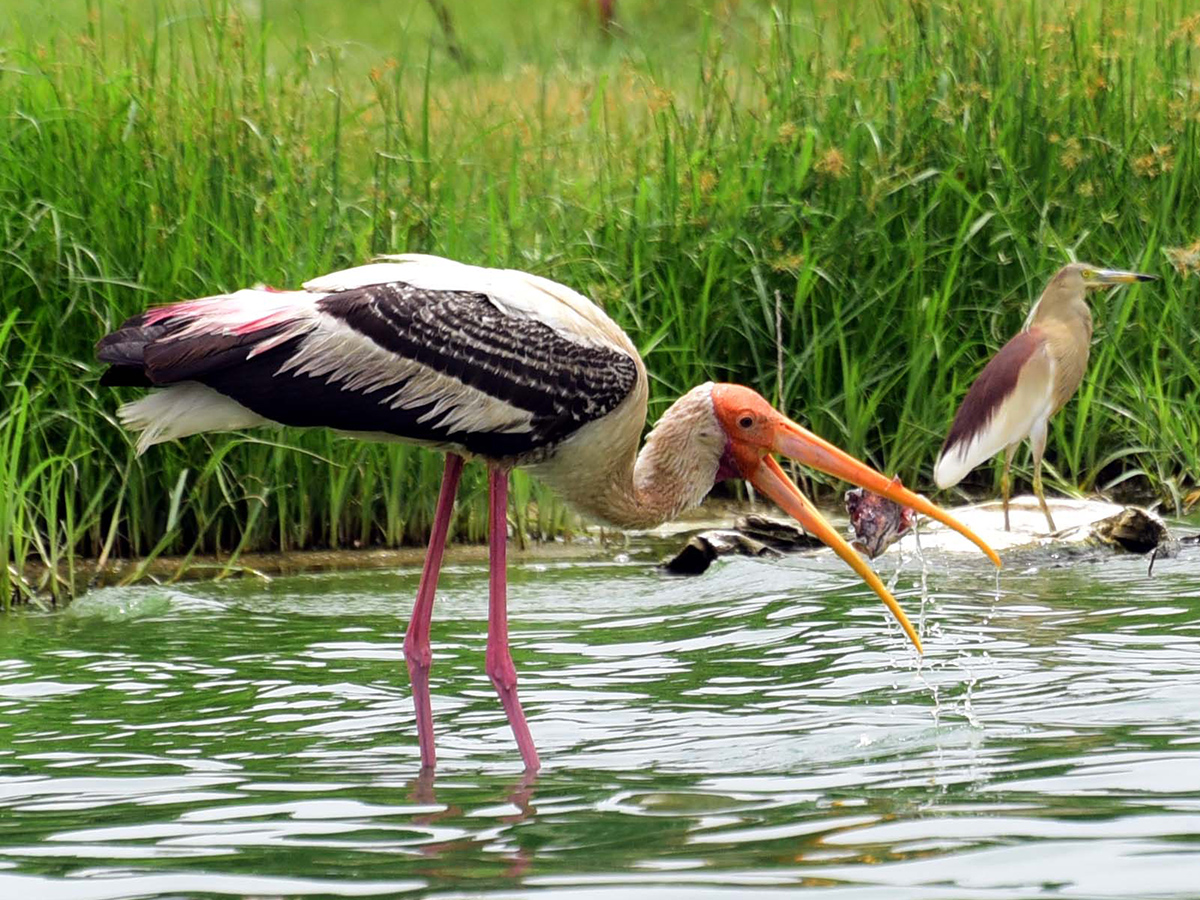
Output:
x=875 y=528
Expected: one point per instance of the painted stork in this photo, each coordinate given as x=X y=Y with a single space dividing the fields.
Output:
x=1028 y=381
x=497 y=364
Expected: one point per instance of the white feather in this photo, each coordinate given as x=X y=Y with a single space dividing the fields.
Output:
x=358 y=277
x=181 y=410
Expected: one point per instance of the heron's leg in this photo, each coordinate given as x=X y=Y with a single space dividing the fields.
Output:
x=1037 y=438
x=1005 y=482
x=499 y=664
x=418 y=655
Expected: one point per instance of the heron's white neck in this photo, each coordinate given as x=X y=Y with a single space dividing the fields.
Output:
x=674 y=470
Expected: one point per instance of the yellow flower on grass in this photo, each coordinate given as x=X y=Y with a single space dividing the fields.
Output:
x=1072 y=154
x=1158 y=162
x=788 y=262
x=1186 y=260
x=832 y=163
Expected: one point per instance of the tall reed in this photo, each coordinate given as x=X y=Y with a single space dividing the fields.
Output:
x=905 y=178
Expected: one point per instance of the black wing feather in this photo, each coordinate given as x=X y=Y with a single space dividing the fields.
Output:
x=518 y=360
x=562 y=383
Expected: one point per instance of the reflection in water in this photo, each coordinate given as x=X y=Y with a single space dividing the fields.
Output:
x=765 y=725
x=519 y=797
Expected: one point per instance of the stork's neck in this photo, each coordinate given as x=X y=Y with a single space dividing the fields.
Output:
x=674 y=470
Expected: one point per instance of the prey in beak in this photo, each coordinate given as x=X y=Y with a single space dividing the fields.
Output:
x=756 y=430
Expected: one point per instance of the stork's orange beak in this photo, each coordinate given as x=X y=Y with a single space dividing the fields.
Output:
x=756 y=430
x=802 y=445
x=1100 y=277
x=771 y=480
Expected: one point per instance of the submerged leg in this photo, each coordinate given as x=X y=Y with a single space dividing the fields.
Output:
x=418 y=655
x=1005 y=483
x=1038 y=439
x=499 y=664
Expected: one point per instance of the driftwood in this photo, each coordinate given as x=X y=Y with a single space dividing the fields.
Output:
x=1098 y=525
x=1132 y=530
x=752 y=535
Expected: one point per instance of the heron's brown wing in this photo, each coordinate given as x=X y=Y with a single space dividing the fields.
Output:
x=1012 y=392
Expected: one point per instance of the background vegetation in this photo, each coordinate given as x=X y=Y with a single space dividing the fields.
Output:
x=878 y=189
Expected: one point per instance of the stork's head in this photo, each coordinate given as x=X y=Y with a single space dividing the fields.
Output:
x=754 y=431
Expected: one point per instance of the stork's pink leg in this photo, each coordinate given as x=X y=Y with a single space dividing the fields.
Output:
x=499 y=661
x=417 y=652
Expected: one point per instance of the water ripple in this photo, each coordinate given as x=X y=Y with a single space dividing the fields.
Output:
x=765 y=726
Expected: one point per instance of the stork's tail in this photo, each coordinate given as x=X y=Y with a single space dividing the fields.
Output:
x=177 y=346
x=182 y=410
x=125 y=352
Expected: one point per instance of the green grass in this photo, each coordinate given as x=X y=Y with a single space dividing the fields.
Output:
x=899 y=179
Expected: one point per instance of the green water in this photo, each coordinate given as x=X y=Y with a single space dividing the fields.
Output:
x=755 y=729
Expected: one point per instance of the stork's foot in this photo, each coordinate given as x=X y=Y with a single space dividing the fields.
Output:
x=1046 y=510
x=499 y=666
x=503 y=673
x=418 y=673
x=418 y=654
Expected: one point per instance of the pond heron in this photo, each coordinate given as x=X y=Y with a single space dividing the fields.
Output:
x=1028 y=381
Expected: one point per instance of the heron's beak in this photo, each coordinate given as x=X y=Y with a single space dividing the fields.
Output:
x=798 y=443
x=1120 y=276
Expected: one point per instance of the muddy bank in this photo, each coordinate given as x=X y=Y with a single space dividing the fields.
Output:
x=93 y=574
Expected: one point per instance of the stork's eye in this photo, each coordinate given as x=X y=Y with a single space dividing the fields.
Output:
x=746 y=421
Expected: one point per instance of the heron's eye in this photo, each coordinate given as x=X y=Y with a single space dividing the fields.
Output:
x=1087 y=273
x=746 y=421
